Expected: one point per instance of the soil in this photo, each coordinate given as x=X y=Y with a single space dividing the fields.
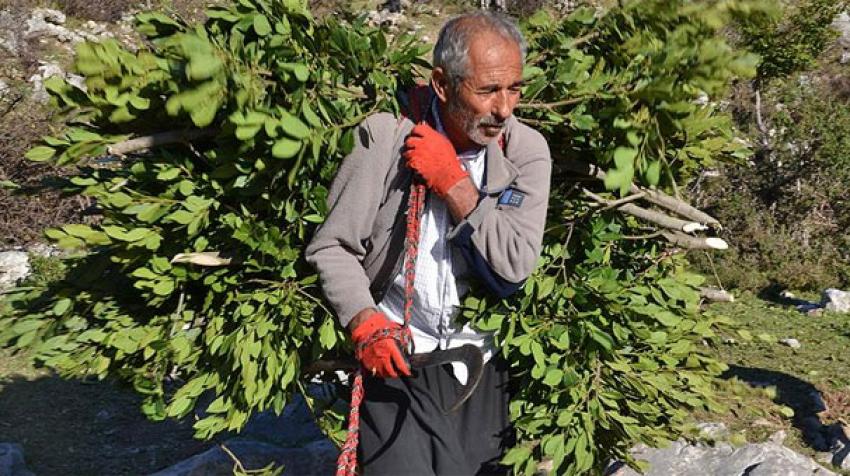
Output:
x=72 y=427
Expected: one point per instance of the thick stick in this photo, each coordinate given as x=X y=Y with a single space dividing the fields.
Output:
x=158 y=139
x=653 y=216
x=694 y=242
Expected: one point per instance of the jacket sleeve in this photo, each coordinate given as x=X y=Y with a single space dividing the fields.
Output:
x=339 y=245
x=501 y=239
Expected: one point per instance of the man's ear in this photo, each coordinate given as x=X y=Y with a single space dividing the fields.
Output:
x=440 y=83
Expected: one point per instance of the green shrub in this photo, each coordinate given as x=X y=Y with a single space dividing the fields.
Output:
x=786 y=210
x=196 y=269
x=794 y=40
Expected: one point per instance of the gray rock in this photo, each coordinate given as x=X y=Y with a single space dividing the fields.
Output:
x=45 y=22
x=317 y=458
x=12 y=460
x=723 y=459
x=836 y=300
x=44 y=250
x=46 y=70
x=14 y=266
x=841 y=23
x=9 y=26
x=715 y=431
x=792 y=343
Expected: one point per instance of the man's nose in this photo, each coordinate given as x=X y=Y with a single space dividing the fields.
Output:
x=502 y=106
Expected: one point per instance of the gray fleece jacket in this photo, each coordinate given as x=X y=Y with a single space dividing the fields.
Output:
x=359 y=249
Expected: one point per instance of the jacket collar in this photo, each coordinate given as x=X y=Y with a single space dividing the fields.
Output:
x=500 y=171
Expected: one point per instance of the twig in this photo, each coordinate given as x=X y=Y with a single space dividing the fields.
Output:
x=584 y=39
x=642 y=237
x=624 y=200
x=236 y=461
x=714 y=270
x=759 y=119
x=550 y=105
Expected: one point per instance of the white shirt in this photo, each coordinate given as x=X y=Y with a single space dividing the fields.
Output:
x=440 y=278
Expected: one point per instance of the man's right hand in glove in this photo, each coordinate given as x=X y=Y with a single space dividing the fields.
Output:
x=380 y=356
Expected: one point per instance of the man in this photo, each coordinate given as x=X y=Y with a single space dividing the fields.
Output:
x=488 y=182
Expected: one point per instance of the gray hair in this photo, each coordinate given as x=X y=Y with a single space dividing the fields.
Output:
x=451 y=53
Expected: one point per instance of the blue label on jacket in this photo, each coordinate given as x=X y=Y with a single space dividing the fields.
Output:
x=511 y=197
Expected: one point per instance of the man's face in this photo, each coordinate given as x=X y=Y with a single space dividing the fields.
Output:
x=480 y=104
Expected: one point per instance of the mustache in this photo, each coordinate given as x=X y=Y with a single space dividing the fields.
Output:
x=491 y=122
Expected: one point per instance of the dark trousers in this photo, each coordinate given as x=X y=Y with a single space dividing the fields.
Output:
x=403 y=430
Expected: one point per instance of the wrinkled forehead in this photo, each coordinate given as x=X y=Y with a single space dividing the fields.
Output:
x=492 y=56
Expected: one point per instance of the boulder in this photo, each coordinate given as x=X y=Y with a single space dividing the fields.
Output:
x=12 y=460
x=315 y=459
x=14 y=266
x=836 y=300
x=755 y=459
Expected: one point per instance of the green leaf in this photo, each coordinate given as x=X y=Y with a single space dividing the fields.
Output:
x=327 y=334
x=285 y=148
x=553 y=377
x=203 y=67
x=61 y=306
x=163 y=288
x=293 y=126
x=653 y=172
x=624 y=157
x=261 y=25
x=40 y=153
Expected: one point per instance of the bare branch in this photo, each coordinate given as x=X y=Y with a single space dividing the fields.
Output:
x=158 y=139
x=655 y=197
x=652 y=216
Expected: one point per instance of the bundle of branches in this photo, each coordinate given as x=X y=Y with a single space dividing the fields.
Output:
x=196 y=270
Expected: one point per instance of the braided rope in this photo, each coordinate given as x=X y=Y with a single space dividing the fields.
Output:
x=346 y=464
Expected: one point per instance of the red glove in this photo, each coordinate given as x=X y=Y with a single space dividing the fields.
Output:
x=433 y=157
x=382 y=356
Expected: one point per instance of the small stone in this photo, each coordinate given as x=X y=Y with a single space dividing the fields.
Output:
x=714 y=431
x=792 y=343
x=836 y=300
x=730 y=341
x=778 y=437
